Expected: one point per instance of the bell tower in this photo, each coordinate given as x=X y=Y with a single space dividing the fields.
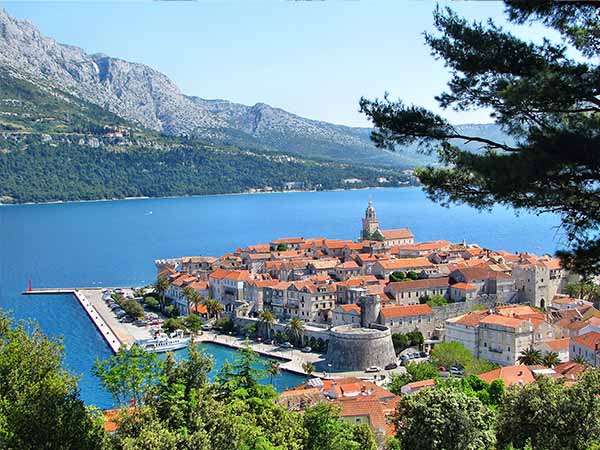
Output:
x=370 y=223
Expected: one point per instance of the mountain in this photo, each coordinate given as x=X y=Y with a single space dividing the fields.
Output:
x=56 y=146
x=147 y=97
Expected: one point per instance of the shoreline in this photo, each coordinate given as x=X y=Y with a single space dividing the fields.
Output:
x=292 y=191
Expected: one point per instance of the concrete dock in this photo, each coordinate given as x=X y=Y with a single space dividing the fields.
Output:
x=101 y=321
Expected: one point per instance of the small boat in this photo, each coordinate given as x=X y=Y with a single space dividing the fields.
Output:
x=162 y=342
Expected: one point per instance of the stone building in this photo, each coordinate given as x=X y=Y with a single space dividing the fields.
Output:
x=586 y=346
x=405 y=319
x=410 y=292
x=538 y=283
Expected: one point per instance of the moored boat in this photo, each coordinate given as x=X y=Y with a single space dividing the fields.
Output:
x=162 y=342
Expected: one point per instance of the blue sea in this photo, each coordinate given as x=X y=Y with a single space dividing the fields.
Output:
x=115 y=243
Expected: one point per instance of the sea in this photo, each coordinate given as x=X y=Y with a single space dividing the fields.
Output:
x=115 y=243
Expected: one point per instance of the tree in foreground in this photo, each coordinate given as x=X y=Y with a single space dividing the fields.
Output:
x=40 y=406
x=129 y=374
x=326 y=431
x=550 y=414
x=545 y=96
x=444 y=419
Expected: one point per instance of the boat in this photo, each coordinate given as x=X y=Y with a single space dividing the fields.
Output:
x=162 y=342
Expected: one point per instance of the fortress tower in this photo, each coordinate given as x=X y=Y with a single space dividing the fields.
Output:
x=370 y=307
x=370 y=223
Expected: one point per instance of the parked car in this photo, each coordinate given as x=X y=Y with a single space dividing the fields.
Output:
x=423 y=354
x=285 y=345
x=391 y=366
x=403 y=359
x=140 y=323
x=207 y=327
x=307 y=349
x=373 y=369
x=455 y=370
x=127 y=319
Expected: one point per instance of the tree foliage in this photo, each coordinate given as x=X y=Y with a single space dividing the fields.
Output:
x=40 y=406
x=448 y=354
x=551 y=414
x=544 y=95
x=444 y=419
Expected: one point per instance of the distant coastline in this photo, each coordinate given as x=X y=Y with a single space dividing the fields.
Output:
x=54 y=202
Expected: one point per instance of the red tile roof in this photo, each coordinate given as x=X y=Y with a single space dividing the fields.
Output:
x=398 y=233
x=497 y=319
x=405 y=263
x=395 y=311
x=464 y=286
x=509 y=374
x=418 y=284
x=590 y=340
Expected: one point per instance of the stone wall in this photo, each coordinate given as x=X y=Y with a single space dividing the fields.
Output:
x=441 y=313
x=352 y=348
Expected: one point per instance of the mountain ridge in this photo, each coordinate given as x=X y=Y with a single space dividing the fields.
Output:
x=143 y=95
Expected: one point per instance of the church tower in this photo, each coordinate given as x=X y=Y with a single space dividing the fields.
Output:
x=370 y=223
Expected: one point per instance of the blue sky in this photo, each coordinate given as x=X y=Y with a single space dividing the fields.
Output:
x=311 y=58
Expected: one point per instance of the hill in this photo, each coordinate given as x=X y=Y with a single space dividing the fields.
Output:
x=148 y=98
x=55 y=146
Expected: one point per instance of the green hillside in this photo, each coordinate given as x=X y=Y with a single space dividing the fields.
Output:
x=54 y=146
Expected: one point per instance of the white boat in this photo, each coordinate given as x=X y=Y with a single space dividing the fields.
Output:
x=162 y=342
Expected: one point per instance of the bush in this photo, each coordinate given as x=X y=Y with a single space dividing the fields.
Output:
x=397 y=276
x=434 y=300
x=172 y=311
x=225 y=325
x=152 y=302
x=412 y=275
x=172 y=324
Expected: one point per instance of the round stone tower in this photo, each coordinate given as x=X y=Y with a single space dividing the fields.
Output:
x=353 y=348
x=370 y=307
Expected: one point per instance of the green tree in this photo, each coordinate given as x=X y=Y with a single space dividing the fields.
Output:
x=40 y=406
x=308 y=368
x=551 y=359
x=530 y=357
x=249 y=330
x=191 y=297
x=295 y=331
x=400 y=341
x=273 y=369
x=152 y=302
x=129 y=374
x=282 y=247
x=267 y=319
x=542 y=95
x=444 y=419
x=397 y=276
x=414 y=372
x=434 y=300
x=160 y=288
x=325 y=431
x=412 y=275
x=550 y=414
x=214 y=308
x=193 y=323
x=172 y=324
x=448 y=354
x=240 y=379
x=416 y=338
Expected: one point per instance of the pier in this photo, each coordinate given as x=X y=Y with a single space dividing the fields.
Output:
x=101 y=321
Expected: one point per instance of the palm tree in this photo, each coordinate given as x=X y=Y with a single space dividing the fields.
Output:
x=308 y=367
x=295 y=330
x=551 y=359
x=188 y=293
x=213 y=308
x=267 y=319
x=196 y=300
x=580 y=360
x=160 y=287
x=530 y=357
x=273 y=369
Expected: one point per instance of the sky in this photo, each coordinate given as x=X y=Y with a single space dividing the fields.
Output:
x=312 y=58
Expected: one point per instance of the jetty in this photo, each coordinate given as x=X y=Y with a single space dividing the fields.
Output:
x=113 y=337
